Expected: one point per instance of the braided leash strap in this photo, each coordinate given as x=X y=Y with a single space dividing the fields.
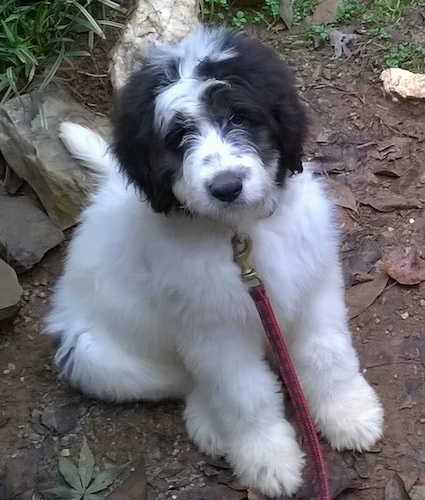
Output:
x=289 y=378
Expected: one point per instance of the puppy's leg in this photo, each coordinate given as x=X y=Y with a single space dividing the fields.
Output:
x=346 y=409
x=236 y=408
x=98 y=365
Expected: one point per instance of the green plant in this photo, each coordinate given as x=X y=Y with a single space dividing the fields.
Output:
x=83 y=481
x=349 y=9
x=319 y=30
x=239 y=19
x=210 y=9
x=272 y=8
x=37 y=38
x=302 y=9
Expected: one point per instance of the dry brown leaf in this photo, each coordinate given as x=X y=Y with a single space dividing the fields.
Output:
x=215 y=492
x=388 y=201
x=407 y=268
x=395 y=489
x=360 y=297
x=253 y=494
x=325 y=12
x=134 y=487
x=341 y=195
x=392 y=149
x=389 y=170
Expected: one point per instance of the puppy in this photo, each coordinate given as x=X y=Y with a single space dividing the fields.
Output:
x=207 y=143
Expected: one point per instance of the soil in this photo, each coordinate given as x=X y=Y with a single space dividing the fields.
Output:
x=363 y=141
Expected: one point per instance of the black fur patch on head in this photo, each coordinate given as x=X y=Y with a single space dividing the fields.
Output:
x=140 y=149
x=262 y=90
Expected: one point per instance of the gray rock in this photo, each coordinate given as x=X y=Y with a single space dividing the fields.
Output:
x=152 y=22
x=61 y=420
x=26 y=232
x=30 y=145
x=10 y=291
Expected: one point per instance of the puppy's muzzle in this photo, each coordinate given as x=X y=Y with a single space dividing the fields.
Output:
x=226 y=186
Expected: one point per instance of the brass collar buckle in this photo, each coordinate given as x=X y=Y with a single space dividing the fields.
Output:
x=242 y=246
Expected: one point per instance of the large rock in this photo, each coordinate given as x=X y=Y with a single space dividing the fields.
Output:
x=152 y=22
x=30 y=145
x=26 y=233
x=10 y=291
x=400 y=83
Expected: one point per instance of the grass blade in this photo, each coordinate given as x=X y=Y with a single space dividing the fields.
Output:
x=54 y=69
x=92 y=22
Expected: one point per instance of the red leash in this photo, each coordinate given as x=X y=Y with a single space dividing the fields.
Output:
x=241 y=249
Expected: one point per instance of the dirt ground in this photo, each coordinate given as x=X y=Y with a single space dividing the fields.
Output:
x=373 y=151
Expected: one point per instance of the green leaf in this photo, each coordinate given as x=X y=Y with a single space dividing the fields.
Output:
x=104 y=479
x=53 y=70
x=65 y=493
x=85 y=464
x=70 y=473
x=92 y=22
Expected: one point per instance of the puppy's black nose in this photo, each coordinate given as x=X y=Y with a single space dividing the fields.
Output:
x=226 y=186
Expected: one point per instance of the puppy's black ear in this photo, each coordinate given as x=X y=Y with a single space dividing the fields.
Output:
x=291 y=126
x=137 y=144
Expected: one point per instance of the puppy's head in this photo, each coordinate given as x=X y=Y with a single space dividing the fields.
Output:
x=212 y=125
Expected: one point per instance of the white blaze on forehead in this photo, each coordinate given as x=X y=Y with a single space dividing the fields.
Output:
x=183 y=96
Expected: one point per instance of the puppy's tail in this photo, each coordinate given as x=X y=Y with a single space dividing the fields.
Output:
x=88 y=147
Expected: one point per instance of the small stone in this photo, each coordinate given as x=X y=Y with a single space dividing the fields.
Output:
x=42 y=295
x=10 y=290
x=390 y=229
x=6 y=372
x=400 y=83
x=377 y=321
x=404 y=315
x=422 y=420
x=422 y=302
x=11 y=367
x=30 y=337
x=65 y=452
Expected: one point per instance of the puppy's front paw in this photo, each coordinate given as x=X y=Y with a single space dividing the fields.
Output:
x=273 y=463
x=201 y=432
x=354 y=422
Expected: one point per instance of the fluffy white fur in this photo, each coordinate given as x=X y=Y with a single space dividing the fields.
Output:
x=153 y=307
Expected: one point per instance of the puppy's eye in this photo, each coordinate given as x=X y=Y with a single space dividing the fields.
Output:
x=237 y=120
x=175 y=137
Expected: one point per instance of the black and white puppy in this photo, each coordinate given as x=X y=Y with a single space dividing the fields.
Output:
x=206 y=139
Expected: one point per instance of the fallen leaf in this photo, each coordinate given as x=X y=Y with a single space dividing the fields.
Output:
x=364 y=465
x=388 y=170
x=388 y=201
x=341 y=41
x=408 y=403
x=360 y=297
x=214 y=492
x=392 y=149
x=325 y=12
x=341 y=195
x=134 y=487
x=407 y=268
x=395 y=489
x=253 y=494
x=357 y=263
